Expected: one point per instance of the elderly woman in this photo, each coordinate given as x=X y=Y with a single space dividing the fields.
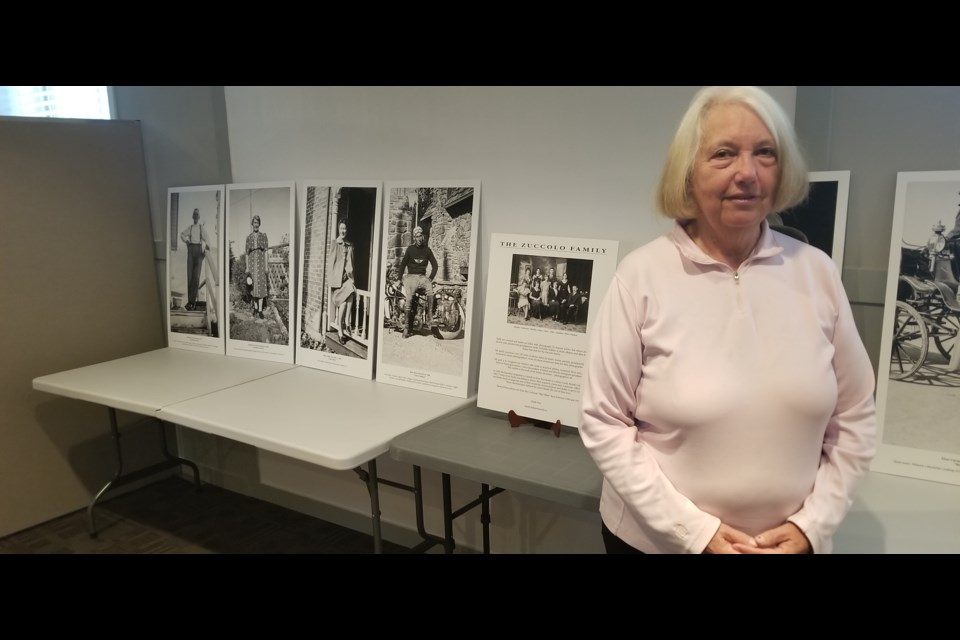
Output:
x=728 y=400
x=256 y=250
x=341 y=279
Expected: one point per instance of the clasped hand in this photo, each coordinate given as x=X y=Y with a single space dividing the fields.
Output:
x=786 y=538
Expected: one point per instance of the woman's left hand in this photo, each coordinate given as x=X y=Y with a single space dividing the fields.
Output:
x=787 y=538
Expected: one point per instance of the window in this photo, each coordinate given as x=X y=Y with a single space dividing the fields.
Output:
x=55 y=102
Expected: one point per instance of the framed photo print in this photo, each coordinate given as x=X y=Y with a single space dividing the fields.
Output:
x=541 y=294
x=918 y=395
x=821 y=220
x=195 y=291
x=427 y=278
x=339 y=276
x=260 y=260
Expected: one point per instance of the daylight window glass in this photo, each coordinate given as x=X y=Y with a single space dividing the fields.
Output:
x=55 y=102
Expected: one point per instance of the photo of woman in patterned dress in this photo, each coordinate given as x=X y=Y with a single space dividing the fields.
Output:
x=256 y=250
x=259 y=257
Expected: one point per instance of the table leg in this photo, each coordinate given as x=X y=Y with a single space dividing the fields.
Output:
x=170 y=461
x=175 y=458
x=374 y=491
x=485 y=516
x=115 y=433
x=447 y=515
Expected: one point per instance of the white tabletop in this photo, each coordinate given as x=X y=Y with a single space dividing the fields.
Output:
x=146 y=382
x=323 y=418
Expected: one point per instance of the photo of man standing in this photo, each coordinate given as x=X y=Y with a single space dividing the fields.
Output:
x=413 y=270
x=196 y=239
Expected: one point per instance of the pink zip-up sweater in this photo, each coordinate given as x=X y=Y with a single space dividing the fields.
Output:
x=713 y=395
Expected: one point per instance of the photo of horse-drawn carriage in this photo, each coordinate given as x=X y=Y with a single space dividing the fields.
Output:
x=927 y=318
x=918 y=396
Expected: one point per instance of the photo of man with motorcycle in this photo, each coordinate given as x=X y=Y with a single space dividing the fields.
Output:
x=413 y=271
x=415 y=304
x=426 y=266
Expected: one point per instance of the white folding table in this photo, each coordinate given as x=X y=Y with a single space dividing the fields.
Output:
x=323 y=418
x=144 y=384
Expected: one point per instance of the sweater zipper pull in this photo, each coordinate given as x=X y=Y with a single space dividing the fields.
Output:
x=736 y=277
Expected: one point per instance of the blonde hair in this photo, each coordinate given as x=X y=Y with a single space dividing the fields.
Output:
x=674 y=197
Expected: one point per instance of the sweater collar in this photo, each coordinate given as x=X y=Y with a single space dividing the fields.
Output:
x=767 y=247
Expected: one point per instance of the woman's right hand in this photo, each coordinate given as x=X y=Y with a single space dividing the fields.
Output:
x=724 y=539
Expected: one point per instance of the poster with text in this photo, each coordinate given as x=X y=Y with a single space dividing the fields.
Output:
x=541 y=293
x=918 y=394
x=821 y=219
x=260 y=263
x=338 y=278
x=194 y=266
x=427 y=276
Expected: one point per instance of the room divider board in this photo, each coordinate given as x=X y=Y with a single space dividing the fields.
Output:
x=79 y=286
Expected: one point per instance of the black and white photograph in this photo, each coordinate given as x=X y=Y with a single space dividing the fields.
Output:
x=821 y=219
x=427 y=279
x=336 y=309
x=537 y=316
x=918 y=397
x=260 y=260
x=550 y=292
x=194 y=264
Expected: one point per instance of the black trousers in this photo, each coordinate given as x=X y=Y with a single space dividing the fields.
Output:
x=194 y=264
x=613 y=544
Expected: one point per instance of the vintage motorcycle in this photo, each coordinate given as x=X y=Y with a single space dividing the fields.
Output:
x=449 y=316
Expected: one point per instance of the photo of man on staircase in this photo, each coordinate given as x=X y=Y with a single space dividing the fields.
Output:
x=193 y=262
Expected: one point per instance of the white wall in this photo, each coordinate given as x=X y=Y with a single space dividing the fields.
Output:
x=577 y=161
x=184 y=139
x=184 y=144
x=567 y=160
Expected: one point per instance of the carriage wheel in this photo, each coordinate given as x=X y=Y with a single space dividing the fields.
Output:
x=909 y=342
x=946 y=335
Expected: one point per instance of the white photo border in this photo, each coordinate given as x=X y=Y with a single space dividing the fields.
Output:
x=330 y=360
x=516 y=355
x=838 y=216
x=213 y=260
x=933 y=396
x=455 y=383
x=262 y=350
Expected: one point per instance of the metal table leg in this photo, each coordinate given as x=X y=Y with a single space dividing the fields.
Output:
x=173 y=458
x=485 y=516
x=447 y=515
x=119 y=478
x=427 y=540
x=374 y=491
x=115 y=433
